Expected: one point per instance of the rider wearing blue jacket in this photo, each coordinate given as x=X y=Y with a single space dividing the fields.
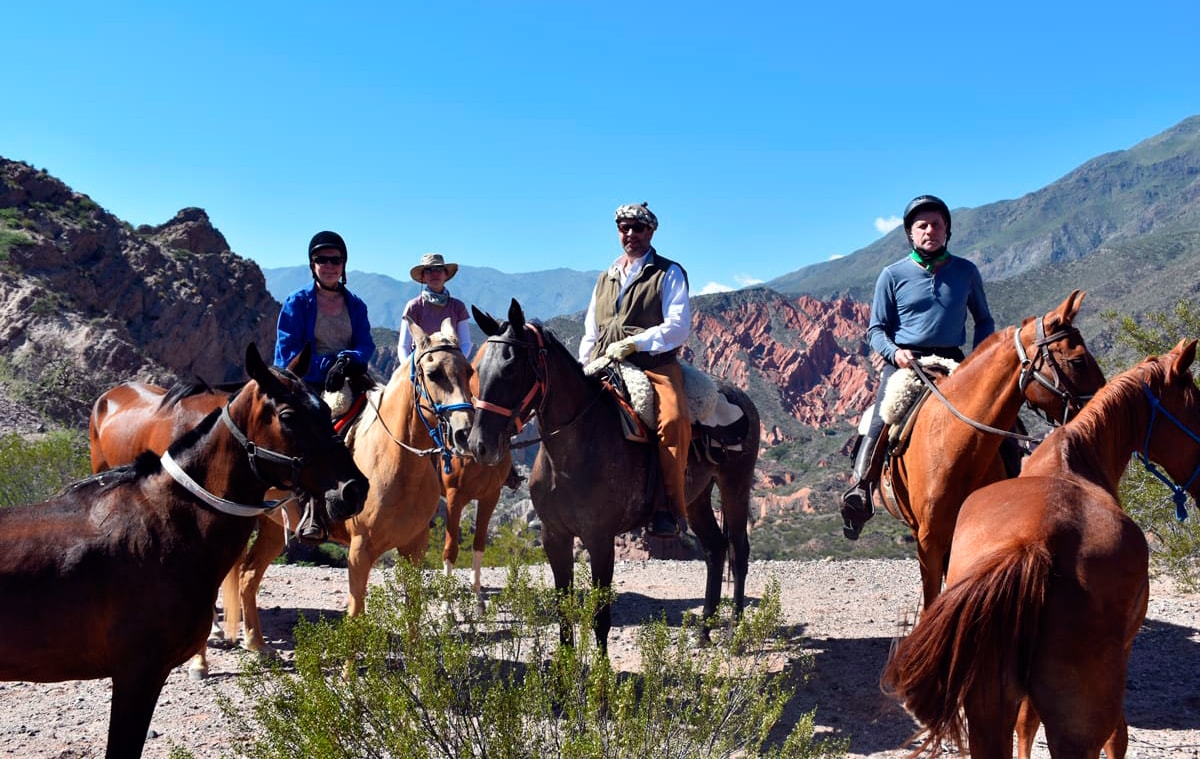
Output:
x=325 y=314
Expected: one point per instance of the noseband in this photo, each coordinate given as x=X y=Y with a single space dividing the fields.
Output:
x=1031 y=371
x=541 y=381
x=1178 y=492
x=255 y=454
x=437 y=432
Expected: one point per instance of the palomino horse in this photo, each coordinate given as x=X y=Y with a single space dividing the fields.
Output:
x=588 y=480
x=402 y=442
x=1048 y=582
x=116 y=576
x=1042 y=362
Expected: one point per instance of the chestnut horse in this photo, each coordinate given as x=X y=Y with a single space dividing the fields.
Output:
x=131 y=418
x=116 y=576
x=1048 y=582
x=402 y=441
x=588 y=480
x=1042 y=362
x=468 y=480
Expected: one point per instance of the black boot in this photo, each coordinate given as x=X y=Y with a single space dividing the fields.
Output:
x=857 y=507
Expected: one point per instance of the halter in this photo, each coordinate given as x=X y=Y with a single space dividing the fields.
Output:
x=1030 y=370
x=541 y=381
x=439 y=410
x=1178 y=492
x=255 y=454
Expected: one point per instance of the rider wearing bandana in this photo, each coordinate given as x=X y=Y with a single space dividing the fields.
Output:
x=920 y=309
x=434 y=304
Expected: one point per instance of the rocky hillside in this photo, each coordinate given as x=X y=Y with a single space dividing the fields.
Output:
x=86 y=300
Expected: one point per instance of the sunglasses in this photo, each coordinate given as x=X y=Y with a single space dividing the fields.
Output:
x=636 y=227
x=435 y=269
x=328 y=260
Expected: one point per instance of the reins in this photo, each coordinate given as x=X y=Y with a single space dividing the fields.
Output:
x=1178 y=492
x=1029 y=372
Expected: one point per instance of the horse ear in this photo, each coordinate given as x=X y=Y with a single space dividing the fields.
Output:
x=1071 y=305
x=299 y=365
x=486 y=323
x=448 y=330
x=255 y=366
x=516 y=317
x=420 y=339
x=1186 y=350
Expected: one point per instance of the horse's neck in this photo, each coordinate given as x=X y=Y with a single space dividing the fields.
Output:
x=399 y=413
x=1096 y=446
x=569 y=393
x=984 y=387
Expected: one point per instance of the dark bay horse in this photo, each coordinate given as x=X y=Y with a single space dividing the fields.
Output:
x=1043 y=362
x=117 y=575
x=588 y=481
x=1048 y=582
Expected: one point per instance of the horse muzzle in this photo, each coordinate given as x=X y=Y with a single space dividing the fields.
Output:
x=347 y=499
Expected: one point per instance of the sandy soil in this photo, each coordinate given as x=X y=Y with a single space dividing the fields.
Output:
x=848 y=612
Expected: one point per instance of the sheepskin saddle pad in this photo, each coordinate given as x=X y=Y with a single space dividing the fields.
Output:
x=706 y=405
x=905 y=388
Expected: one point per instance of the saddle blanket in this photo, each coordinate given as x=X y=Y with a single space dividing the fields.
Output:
x=706 y=405
x=905 y=388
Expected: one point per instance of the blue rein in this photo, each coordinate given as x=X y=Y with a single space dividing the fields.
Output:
x=1179 y=492
x=435 y=430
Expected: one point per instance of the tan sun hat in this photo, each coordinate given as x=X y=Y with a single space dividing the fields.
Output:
x=432 y=259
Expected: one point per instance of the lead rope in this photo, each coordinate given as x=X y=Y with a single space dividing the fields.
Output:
x=1178 y=492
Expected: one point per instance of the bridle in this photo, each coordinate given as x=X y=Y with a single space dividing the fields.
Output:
x=1031 y=370
x=1178 y=492
x=539 y=390
x=256 y=455
x=520 y=414
x=438 y=431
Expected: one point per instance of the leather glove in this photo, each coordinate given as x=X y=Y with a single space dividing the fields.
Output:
x=620 y=350
x=337 y=374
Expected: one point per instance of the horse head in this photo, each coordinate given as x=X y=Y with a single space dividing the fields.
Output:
x=509 y=379
x=289 y=436
x=1173 y=437
x=441 y=378
x=1058 y=373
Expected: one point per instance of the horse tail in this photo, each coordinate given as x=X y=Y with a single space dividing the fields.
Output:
x=979 y=631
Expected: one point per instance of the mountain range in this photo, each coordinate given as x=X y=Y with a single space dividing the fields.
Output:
x=88 y=300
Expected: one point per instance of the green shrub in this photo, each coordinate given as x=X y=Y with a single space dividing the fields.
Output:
x=33 y=470
x=408 y=679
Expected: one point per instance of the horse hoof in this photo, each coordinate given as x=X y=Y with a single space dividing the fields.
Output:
x=197 y=674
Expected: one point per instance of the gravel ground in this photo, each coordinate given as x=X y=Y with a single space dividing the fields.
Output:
x=847 y=611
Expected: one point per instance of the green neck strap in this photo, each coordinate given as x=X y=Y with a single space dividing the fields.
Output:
x=928 y=264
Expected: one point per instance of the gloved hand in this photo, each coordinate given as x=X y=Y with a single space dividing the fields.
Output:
x=620 y=350
x=337 y=374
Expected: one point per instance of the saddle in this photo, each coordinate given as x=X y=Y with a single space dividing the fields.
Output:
x=717 y=425
x=346 y=395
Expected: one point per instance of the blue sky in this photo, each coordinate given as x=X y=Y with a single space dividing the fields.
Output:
x=766 y=136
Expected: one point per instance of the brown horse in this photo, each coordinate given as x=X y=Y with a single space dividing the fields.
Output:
x=116 y=576
x=1048 y=583
x=403 y=441
x=469 y=481
x=1042 y=362
x=588 y=480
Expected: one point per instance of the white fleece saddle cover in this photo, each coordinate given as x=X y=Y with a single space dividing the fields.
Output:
x=905 y=388
x=706 y=405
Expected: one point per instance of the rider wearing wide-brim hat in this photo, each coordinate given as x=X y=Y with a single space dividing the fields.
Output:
x=919 y=309
x=433 y=305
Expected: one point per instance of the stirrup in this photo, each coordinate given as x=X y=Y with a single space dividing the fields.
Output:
x=310 y=530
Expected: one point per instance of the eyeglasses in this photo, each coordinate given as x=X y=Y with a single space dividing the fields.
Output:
x=328 y=260
x=636 y=227
x=435 y=269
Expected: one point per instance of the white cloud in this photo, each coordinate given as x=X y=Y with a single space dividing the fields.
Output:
x=836 y=256
x=714 y=287
x=745 y=280
x=887 y=225
x=741 y=280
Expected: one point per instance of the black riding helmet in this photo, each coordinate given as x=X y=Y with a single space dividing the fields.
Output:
x=321 y=241
x=925 y=203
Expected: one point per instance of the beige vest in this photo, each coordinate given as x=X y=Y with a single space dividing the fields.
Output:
x=640 y=309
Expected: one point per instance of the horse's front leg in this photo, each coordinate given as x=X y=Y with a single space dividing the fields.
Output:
x=557 y=546
x=932 y=559
x=455 y=503
x=134 y=694
x=704 y=525
x=603 y=558
x=1028 y=722
x=251 y=570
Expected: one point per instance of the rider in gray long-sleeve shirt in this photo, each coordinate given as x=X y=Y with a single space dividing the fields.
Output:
x=920 y=309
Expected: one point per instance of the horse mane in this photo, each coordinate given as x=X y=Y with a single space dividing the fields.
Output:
x=180 y=390
x=1003 y=336
x=554 y=343
x=1105 y=408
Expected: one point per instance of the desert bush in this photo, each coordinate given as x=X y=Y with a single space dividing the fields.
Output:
x=32 y=470
x=422 y=674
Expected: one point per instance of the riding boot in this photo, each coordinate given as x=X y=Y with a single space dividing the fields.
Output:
x=857 y=506
x=309 y=530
